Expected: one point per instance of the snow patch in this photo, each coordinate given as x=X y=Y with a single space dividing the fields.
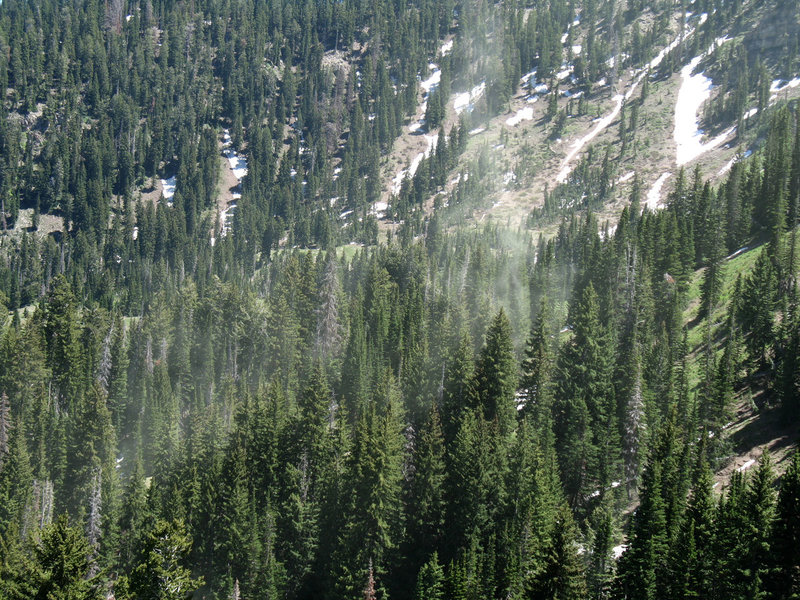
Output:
x=465 y=100
x=577 y=146
x=746 y=466
x=528 y=78
x=446 y=48
x=477 y=130
x=654 y=195
x=694 y=91
x=432 y=82
x=397 y=182
x=168 y=187
x=627 y=177
x=734 y=255
x=606 y=234
x=379 y=209
x=226 y=219
x=781 y=84
x=565 y=73
x=238 y=163
x=727 y=167
x=617 y=551
x=523 y=114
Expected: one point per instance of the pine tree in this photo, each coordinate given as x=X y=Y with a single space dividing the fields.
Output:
x=561 y=576
x=496 y=374
x=16 y=479
x=756 y=311
x=760 y=511
x=160 y=572
x=715 y=262
x=62 y=567
x=691 y=555
x=784 y=580
x=584 y=415
x=729 y=545
x=61 y=337
x=430 y=581
x=470 y=484
x=459 y=394
x=425 y=497
x=536 y=371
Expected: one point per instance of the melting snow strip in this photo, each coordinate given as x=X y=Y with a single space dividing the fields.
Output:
x=577 y=146
x=746 y=466
x=654 y=195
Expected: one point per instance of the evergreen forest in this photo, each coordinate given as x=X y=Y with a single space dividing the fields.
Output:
x=399 y=299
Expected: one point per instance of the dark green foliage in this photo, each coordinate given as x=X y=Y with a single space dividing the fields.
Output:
x=496 y=374
x=330 y=421
x=784 y=579
x=584 y=415
x=159 y=572
x=60 y=567
x=430 y=583
x=561 y=573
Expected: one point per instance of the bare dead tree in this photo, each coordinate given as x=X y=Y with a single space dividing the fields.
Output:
x=5 y=425
x=115 y=12
x=329 y=328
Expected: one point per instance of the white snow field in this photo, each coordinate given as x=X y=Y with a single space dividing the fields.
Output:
x=695 y=90
x=523 y=114
x=604 y=122
x=432 y=82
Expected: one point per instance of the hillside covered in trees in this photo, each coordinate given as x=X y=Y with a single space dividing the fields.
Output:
x=261 y=341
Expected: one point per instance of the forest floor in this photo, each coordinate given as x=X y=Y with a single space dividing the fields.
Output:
x=47 y=223
x=152 y=190
x=757 y=426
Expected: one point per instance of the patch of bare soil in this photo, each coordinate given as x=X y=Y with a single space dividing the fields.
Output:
x=47 y=223
x=152 y=190
x=754 y=430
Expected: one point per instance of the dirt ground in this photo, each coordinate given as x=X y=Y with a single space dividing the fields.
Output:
x=753 y=430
